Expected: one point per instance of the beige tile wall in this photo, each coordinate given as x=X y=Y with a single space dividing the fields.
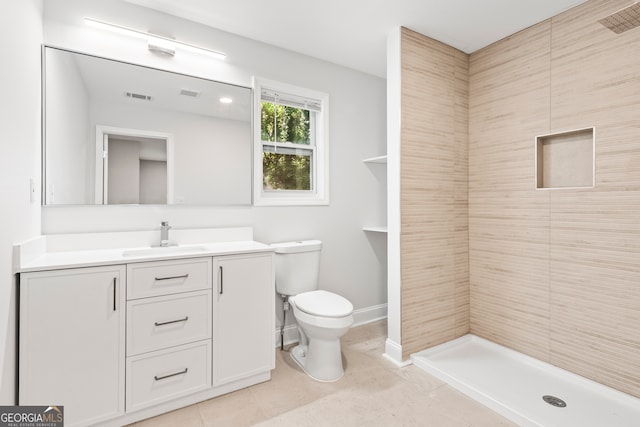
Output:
x=556 y=273
x=434 y=204
x=508 y=218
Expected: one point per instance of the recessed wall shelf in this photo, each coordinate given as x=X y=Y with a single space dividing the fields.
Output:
x=566 y=159
x=379 y=159
x=379 y=229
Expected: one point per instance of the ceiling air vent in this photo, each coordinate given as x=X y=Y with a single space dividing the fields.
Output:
x=138 y=96
x=189 y=92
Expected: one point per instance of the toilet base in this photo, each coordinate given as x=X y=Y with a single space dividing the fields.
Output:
x=329 y=370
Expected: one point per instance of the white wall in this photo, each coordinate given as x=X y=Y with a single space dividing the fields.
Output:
x=393 y=345
x=353 y=262
x=153 y=181
x=21 y=27
x=123 y=172
x=204 y=149
x=68 y=133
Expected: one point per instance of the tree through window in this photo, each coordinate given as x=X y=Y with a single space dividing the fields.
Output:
x=293 y=145
x=286 y=167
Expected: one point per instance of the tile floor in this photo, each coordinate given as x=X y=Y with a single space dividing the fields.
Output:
x=373 y=392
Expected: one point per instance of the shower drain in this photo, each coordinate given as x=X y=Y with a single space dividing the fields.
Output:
x=554 y=401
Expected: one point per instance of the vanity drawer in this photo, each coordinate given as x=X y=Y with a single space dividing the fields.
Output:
x=164 y=375
x=168 y=321
x=148 y=279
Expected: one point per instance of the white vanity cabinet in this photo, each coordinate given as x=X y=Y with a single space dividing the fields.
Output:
x=244 y=312
x=168 y=330
x=72 y=342
x=117 y=339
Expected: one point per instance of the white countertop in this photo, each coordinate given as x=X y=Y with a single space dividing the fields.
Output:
x=73 y=251
x=90 y=258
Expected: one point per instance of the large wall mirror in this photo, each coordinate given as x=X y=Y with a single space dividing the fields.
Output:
x=118 y=133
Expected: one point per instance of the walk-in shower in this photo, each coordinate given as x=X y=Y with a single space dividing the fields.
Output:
x=526 y=390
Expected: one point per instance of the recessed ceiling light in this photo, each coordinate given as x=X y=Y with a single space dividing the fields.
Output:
x=226 y=100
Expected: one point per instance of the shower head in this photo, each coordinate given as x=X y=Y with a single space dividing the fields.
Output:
x=624 y=19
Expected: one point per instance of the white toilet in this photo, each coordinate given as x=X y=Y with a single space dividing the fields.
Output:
x=323 y=317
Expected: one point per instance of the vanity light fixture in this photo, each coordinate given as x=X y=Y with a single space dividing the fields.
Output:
x=158 y=44
x=226 y=100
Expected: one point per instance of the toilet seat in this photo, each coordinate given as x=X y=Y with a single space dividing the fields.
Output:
x=323 y=304
x=329 y=323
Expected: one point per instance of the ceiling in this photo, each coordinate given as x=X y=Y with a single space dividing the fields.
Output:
x=353 y=33
x=108 y=82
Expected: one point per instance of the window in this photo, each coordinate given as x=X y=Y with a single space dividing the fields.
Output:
x=290 y=145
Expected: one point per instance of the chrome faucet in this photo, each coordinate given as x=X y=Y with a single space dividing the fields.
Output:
x=164 y=233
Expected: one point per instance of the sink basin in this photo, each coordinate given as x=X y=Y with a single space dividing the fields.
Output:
x=167 y=250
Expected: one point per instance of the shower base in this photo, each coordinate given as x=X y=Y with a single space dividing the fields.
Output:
x=514 y=384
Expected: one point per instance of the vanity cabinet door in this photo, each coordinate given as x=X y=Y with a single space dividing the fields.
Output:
x=244 y=317
x=72 y=342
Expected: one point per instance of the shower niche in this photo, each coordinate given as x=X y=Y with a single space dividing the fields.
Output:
x=566 y=159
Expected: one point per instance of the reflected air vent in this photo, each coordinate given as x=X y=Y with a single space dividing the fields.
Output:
x=189 y=92
x=138 y=96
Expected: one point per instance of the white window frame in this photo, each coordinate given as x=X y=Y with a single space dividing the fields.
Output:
x=319 y=194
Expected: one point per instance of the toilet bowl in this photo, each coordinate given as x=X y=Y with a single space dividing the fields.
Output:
x=323 y=318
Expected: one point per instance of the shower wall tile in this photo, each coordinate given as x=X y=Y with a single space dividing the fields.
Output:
x=508 y=219
x=595 y=291
x=555 y=273
x=595 y=82
x=508 y=107
x=461 y=192
x=595 y=235
x=509 y=269
x=434 y=240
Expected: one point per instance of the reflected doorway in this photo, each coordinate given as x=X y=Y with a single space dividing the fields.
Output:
x=133 y=167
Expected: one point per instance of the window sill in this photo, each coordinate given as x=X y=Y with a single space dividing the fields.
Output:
x=291 y=201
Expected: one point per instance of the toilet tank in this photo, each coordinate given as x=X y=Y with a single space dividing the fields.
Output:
x=297 y=266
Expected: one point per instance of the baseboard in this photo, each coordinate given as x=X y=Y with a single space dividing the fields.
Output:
x=361 y=317
x=371 y=314
x=393 y=353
